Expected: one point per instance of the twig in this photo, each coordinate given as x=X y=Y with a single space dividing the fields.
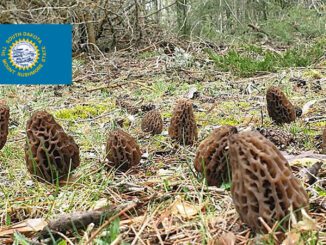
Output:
x=157 y=232
x=135 y=232
x=63 y=236
x=315 y=119
x=270 y=230
x=76 y=220
x=140 y=231
x=144 y=225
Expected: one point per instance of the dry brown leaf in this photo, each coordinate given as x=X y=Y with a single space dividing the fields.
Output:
x=184 y=209
x=306 y=224
x=29 y=225
x=101 y=203
x=226 y=239
x=292 y=238
x=216 y=220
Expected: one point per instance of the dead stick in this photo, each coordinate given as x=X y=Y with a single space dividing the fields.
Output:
x=106 y=223
x=78 y=220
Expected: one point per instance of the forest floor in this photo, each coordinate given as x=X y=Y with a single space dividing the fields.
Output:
x=169 y=203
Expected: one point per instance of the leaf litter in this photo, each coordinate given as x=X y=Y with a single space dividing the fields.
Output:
x=172 y=205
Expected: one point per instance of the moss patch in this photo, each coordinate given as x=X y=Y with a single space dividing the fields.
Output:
x=80 y=112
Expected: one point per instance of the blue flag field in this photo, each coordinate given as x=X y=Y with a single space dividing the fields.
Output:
x=36 y=54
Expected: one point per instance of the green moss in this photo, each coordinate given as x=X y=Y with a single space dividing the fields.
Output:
x=244 y=104
x=157 y=143
x=160 y=164
x=148 y=173
x=227 y=105
x=313 y=74
x=147 y=54
x=81 y=112
x=308 y=131
x=166 y=114
x=228 y=121
x=207 y=120
x=321 y=192
x=319 y=124
x=231 y=105
x=86 y=144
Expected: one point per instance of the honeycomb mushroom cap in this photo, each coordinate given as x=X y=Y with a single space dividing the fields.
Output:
x=323 y=147
x=212 y=158
x=183 y=126
x=50 y=153
x=130 y=108
x=262 y=181
x=152 y=122
x=122 y=150
x=280 y=138
x=4 y=122
x=279 y=107
x=147 y=107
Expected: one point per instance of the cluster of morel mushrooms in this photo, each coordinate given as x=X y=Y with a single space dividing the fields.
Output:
x=263 y=185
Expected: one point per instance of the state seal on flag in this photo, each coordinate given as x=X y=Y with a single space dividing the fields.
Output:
x=25 y=54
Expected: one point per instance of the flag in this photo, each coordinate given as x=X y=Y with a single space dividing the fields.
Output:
x=36 y=53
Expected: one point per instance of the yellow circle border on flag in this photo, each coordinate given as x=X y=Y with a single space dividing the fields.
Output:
x=14 y=63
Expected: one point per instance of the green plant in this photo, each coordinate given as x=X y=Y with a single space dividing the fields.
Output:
x=224 y=21
x=253 y=59
x=111 y=233
x=293 y=24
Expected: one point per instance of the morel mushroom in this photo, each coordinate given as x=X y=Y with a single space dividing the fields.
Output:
x=147 y=107
x=122 y=150
x=323 y=146
x=262 y=181
x=280 y=138
x=279 y=107
x=212 y=158
x=130 y=108
x=4 y=122
x=152 y=122
x=183 y=126
x=50 y=153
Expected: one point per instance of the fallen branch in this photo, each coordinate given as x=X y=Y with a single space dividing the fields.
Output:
x=81 y=220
